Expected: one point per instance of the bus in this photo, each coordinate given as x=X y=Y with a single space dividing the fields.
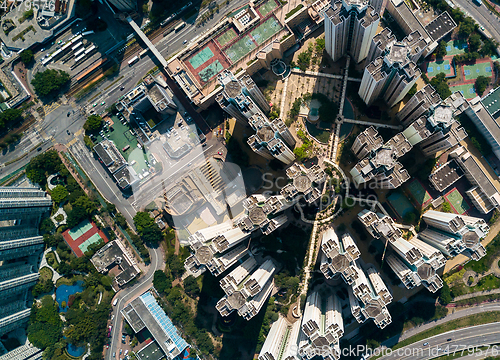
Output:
x=179 y=26
x=133 y=60
x=143 y=52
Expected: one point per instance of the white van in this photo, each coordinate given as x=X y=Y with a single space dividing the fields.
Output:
x=115 y=302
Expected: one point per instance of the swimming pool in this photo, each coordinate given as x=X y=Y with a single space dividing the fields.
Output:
x=75 y=351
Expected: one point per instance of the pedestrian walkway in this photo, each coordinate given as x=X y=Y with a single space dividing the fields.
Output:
x=476 y=294
x=148 y=42
x=374 y=124
x=331 y=76
x=55 y=274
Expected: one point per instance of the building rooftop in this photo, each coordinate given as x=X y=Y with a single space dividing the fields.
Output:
x=491 y=102
x=440 y=26
x=144 y=311
x=446 y=175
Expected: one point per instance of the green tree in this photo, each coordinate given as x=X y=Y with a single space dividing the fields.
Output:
x=441 y=85
x=147 y=228
x=303 y=60
x=320 y=46
x=47 y=226
x=474 y=42
x=26 y=56
x=45 y=326
x=161 y=282
x=413 y=90
x=76 y=215
x=46 y=163
x=86 y=204
x=93 y=123
x=49 y=81
x=59 y=194
x=467 y=26
x=445 y=294
x=446 y=207
x=120 y=220
x=489 y=47
x=191 y=286
x=8 y=117
x=441 y=49
x=481 y=84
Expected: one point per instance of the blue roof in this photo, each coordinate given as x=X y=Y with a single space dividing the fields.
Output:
x=164 y=321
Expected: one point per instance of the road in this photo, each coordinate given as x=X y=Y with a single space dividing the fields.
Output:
x=125 y=296
x=482 y=16
x=463 y=341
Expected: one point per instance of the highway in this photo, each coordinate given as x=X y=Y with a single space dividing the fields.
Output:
x=483 y=17
x=464 y=341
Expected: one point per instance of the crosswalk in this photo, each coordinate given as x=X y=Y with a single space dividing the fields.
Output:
x=75 y=139
x=50 y=107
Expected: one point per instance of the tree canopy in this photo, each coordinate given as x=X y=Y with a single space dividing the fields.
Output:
x=481 y=84
x=49 y=81
x=474 y=42
x=147 y=228
x=9 y=117
x=59 y=194
x=26 y=56
x=191 y=286
x=93 y=123
x=467 y=26
x=45 y=326
x=46 y=163
x=161 y=282
x=441 y=49
x=440 y=84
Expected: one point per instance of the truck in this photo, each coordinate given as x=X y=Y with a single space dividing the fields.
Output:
x=133 y=60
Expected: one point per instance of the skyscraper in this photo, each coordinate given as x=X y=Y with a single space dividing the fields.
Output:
x=21 y=210
x=390 y=76
x=350 y=26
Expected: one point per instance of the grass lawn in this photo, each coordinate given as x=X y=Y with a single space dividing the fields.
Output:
x=52 y=260
x=45 y=273
x=66 y=281
x=473 y=320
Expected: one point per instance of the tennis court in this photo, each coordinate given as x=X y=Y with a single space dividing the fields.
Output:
x=457 y=202
x=400 y=203
x=226 y=37
x=267 y=7
x=91 y=240
x=443 y=66
x=467 y=90
x=240 y=49
x=210 y=71
x=79 y=229
x=418 y=192
x=474 y=71
x=265 y=30
x=456 y=47
x=201 y=57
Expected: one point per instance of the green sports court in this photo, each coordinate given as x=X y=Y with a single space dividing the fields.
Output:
x=418 y=193
x=94 y=239
x=265 y=30
x=226 y=36
x=467 y=90
x=442 y=66
x=400 y=203
x=80 y=229
x=240 y=49
x=201 y=57
x=210 y=71
x=456 y=47
x=267 y=7
x=457 y=202
x=472 y=72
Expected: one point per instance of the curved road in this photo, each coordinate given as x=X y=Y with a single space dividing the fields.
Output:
x=126 y=295
x=464 y=341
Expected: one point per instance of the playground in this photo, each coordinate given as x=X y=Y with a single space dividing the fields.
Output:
x=461 y=77
x=458 y=204
x=419 y=194
x=80 y=237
